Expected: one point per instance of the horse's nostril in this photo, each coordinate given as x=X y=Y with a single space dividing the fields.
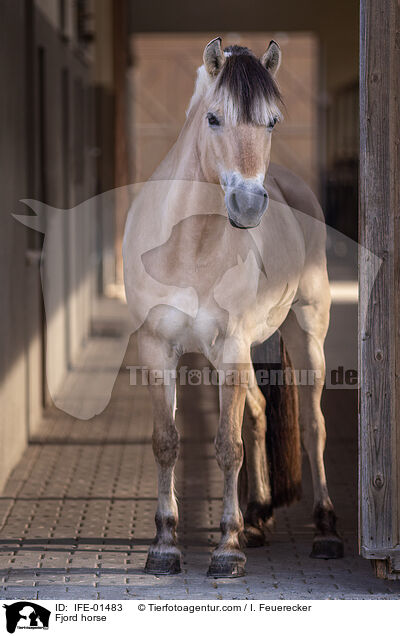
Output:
x=233 y=204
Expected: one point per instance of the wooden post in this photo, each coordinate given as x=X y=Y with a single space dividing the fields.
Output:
x=379 y=310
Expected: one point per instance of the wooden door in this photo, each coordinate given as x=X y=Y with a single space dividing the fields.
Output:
x=379 y=310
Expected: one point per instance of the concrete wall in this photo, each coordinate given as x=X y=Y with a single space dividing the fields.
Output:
x=103 y=80
x=13 y=238
x=65 y=176
x=47 y=154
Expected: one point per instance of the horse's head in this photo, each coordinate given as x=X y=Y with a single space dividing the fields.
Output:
x=237 y=102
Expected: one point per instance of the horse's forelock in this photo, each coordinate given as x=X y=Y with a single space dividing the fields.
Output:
x=248 y=91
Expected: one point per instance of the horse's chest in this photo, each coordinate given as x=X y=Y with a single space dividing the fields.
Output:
x=201 y=287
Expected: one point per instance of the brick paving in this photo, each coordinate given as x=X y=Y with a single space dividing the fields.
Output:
x=76 y=516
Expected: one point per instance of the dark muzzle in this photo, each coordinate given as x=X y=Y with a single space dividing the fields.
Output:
x=246 y=203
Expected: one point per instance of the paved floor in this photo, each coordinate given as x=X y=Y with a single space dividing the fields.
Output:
x=77 y=512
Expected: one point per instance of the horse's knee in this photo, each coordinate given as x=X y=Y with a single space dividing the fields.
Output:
x=166 y=446
x=229 y=453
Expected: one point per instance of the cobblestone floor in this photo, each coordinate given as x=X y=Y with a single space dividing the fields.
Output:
x=77 y=512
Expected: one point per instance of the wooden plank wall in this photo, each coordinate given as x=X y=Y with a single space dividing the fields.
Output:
x=379 y=317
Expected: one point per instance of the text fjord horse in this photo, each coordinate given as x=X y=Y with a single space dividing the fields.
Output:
x=208 y=269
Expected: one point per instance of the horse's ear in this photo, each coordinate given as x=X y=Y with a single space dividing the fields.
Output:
x=213 y=57
x=272 y=57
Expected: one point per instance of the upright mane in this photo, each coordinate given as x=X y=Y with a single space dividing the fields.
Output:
x=244 y=90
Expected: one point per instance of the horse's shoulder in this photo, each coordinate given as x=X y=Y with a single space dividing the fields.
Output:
x=296 y=191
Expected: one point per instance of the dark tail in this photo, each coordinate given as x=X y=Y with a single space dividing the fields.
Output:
x=283 y=432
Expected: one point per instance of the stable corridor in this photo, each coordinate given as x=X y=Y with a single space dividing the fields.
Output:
x=77 y=512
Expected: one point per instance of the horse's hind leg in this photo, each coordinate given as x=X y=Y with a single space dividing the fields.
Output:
x=258 y=514
x=163 y=556
x=304 y=333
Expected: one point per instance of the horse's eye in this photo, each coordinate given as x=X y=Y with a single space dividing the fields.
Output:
x=212 y=119
x=272 y=123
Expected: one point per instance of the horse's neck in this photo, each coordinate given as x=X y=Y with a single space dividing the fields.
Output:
x=183 y=160
x=192 y=209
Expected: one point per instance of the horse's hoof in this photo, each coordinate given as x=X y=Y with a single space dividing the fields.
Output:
x=226 y=567
x=253 y=537
x=163 y=564
x=327 y=547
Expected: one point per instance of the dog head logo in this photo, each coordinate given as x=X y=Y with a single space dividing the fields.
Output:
x=65 y=263
x=25 y=614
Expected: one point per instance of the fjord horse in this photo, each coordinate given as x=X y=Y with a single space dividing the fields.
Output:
x=221 y=250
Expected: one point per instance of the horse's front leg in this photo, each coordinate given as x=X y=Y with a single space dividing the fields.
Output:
x=227 y=559
x=164 y=557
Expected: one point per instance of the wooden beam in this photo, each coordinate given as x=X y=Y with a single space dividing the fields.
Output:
x=379 y=309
